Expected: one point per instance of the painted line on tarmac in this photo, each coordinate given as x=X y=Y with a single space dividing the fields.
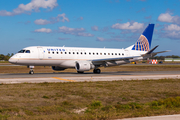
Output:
x=64 y=79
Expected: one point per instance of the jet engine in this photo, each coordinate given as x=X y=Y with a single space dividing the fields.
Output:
x=84 y=66
x=57 y=68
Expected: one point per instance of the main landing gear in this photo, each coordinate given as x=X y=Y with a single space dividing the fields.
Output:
x=80 y=72
x=31 y=70
x=97 y=71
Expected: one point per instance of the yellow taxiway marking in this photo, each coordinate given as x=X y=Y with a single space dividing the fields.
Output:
x=64 y=79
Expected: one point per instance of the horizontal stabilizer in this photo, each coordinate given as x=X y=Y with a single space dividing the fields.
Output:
x=151 y=53
x=155 y=53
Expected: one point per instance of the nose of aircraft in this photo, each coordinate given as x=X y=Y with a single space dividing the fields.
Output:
x=12 y=60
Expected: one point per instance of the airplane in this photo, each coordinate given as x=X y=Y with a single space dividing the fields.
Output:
x=85 y=59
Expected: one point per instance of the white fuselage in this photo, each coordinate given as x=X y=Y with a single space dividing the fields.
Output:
x=67 y=56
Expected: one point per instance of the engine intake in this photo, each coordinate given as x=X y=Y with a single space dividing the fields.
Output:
x=83 y=66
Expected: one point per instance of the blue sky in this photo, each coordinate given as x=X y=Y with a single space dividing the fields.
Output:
x=88 y=23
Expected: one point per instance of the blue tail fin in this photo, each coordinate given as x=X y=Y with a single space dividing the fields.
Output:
x=144 y=41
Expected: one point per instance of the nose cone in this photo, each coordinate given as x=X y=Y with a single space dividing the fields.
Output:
x=12 y=60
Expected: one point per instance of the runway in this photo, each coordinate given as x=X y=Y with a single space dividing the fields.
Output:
x=75 y=77
x=162 y=117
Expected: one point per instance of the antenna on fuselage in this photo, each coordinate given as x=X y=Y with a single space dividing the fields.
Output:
x=63 y=45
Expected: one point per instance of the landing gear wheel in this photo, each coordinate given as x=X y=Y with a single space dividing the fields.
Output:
x=80 y=71
x=94 y=71
x=31 y=72
x=31 y=69
x=97 y=71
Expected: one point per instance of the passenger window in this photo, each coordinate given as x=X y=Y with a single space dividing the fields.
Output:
x=100 y=53
x=115 y=53
x=69 y=52
x=112 y=53
x=85 y=53
x=52 y=52
x=93 y=53
x=119 y=53
x=122 y=53
x=65 y=52
x=108 y=53
x=77 y=53
x=73 y=53
x=61 y=52
x=57 y=53
x=89 y=53
x=49 y=52
x=104 y=53
x=97 y=53
x=81 y=53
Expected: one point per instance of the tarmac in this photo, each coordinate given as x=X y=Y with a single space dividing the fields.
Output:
x=90 y=77
x=163 y=117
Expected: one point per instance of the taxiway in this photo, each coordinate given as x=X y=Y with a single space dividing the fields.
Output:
x=75 y=77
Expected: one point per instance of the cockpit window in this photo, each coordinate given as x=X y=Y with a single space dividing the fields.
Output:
x=24 y=51
x=27 y=51
x=21 y=51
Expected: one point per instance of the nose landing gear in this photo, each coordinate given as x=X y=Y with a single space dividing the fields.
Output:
x=31 y=70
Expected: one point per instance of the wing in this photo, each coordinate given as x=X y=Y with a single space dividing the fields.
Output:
x=113 y=60
x=127 y=59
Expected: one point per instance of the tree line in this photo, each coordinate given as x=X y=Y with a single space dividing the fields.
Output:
x=163 y=57
x=6 y=57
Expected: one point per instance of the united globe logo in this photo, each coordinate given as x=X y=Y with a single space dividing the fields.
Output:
x=142 y=44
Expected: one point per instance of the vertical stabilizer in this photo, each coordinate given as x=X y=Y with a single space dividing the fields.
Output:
x=144 y=41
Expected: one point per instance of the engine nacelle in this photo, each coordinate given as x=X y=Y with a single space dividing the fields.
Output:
x=57 y=68
x=84 y=66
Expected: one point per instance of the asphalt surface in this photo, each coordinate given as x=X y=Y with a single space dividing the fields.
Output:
x=75 y=77
x=163 y=117
x=87 y=74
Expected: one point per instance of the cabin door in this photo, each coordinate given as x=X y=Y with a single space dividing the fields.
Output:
x=127 y=53
x=40 y=53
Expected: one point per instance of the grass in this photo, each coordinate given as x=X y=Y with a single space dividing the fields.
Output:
x=47 y=69
x=2 y=62
x=90 y=100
